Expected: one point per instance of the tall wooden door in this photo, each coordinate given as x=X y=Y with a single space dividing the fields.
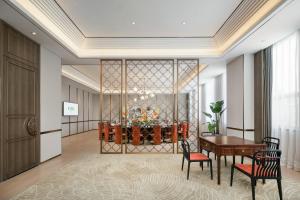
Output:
x=20 y=105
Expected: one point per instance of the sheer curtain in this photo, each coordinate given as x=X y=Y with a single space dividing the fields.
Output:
x=286 y=99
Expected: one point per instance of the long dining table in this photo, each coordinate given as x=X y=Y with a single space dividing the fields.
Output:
x=228 y=146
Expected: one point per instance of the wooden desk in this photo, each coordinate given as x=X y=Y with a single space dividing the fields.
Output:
x=228 y=146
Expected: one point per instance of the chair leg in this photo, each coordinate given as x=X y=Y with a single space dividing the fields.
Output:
x=202 y=166
x=264 y=181
x=188 y=171
x=242 y=160
x=208 y=157
x=211 y=171
x=279 y=189
x=231 y=176
x=253 y=188
x=182 y=163
x=225 y=161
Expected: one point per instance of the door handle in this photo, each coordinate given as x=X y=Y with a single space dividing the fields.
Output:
x=31 y=126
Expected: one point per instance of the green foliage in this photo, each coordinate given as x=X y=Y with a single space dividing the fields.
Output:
x=207 y=114
x=217 y=111
x=211 y=126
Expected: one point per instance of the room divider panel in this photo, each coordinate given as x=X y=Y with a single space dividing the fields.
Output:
x=111 y=96
x=188 y=99
x=148 y=102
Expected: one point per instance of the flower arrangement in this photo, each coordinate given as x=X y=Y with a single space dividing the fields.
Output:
x=140 y=116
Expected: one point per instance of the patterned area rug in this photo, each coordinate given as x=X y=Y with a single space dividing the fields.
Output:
x=145 y=177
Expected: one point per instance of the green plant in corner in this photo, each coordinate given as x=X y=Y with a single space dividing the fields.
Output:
x=215 y=118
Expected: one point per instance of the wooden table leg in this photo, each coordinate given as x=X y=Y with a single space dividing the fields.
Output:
x=219 y=169
x=233 y=159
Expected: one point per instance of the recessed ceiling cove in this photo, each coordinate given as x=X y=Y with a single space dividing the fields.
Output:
x=143 y=28
x=155 y=18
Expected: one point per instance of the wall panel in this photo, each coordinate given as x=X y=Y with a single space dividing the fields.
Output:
x=88 y=105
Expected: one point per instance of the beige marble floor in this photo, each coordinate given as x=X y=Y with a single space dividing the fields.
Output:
x=80 y=155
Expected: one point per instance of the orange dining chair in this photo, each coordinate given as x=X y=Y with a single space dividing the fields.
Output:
x=174 y=133
x=106 y=132
x=194 y=157
x=157 y=134
x=185 y=130
x=100 y=130
x=118 y=134
x=136 y=135
x=265 y=165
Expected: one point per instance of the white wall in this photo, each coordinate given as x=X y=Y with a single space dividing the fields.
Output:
x=211 y=90
x=50 y=108
x=249 y=91
x=88 y=107
x=235 y=95
x=240 y=96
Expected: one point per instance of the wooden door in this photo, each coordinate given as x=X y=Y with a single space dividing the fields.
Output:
x=20 y=109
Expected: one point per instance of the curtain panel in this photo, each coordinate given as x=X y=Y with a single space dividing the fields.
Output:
x=267 y=92
x=286 y=99
x=263 y=93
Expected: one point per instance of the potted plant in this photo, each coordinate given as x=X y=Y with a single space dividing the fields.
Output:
x=215 y=118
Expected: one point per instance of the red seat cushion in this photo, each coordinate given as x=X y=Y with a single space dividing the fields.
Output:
x=198 y=156
x=246 y=168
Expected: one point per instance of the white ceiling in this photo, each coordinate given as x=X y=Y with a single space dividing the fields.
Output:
x=153 y=18
x=278 y=25
x=103 y=29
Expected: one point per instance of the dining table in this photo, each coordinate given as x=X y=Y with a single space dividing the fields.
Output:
x=223 y=145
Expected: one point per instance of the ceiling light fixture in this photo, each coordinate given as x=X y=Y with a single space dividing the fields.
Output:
x=33 y=33
x=133 y=23
x=183 y=23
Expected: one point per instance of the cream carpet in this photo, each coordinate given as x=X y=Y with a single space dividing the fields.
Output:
x=145 y=177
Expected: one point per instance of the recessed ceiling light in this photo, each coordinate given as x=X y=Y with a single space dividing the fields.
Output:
x=183 y=23
x=133 y=23
x=33 y=33
x=262 y=41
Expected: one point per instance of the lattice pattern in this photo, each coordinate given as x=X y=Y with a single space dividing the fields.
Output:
x=145 y=77
x=188 y=87
x=111 y=90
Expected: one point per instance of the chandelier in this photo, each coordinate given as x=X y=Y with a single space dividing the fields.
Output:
x=143 y=94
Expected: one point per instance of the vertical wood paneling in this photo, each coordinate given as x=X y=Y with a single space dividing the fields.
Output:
x=20 y=90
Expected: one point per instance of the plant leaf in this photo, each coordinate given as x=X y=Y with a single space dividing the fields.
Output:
x=222 y=112
x=207 y=114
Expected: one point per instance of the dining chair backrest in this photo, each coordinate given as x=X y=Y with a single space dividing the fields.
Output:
x=118 y=134
x=106 y=127
x=174 y=133
x=266 y=164
x=136 y=135
x=272 y=143
x=100 y=129
x=185 y=130
x=157 y=134
x=186 y=149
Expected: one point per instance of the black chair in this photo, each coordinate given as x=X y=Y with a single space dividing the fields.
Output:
x=265 y=165
x=194 y=157
x=272 y=144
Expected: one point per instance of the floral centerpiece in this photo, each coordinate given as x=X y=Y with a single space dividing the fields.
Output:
x=142 y=117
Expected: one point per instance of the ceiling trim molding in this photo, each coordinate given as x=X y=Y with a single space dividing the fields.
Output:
x=51 y=17
x=70 y=72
